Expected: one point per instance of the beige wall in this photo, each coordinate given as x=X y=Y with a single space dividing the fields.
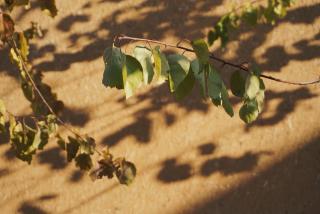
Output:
x=191 y=157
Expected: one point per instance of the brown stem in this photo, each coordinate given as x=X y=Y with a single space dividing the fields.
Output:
x=213 y=57
x=13 y=45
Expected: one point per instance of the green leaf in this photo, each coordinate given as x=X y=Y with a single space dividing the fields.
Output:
x=252 y=86
x=260 y=95
x=132 y=75
x=114 y=60
x=251 y=15
x=72 y=148
x=185 y=87
x=215 y=84
x=161 y=65
x=126 y=173
x=199 y=75
x=143 y=55
x=179 y=68
x=255 y=70
x=217 y=91
x=225 y=101
x=212 y=36
x=260 y=100
x=269 y=13
x=49 y=7
x=280 y=10
x=222 y=29
x=249 y=111
x=237 y=84
x=84 y=162
x=201 y=49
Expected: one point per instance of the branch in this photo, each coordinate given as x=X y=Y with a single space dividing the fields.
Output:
x=13 y=45
x=213 y=57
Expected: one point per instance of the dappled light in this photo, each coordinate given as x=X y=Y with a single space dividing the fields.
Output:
x=191 y=157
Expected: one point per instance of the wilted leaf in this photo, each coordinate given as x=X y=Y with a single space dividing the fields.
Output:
x=83 y=161
x=72 y=148
x=105 y=168
x=132 y=75
x=126 y=172
x=87 y=146
x=8 y=26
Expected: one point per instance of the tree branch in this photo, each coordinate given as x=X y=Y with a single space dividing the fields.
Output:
x=213 y=57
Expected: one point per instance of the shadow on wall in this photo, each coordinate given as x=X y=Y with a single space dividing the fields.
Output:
x=159 y=99
x=173 y=171
x=165 y=14
x=290 y=186
x=30 y=207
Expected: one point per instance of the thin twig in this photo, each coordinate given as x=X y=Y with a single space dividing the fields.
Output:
x=17 y=52
x=213 y=57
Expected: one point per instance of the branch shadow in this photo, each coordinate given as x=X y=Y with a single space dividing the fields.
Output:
x=30 y=207
x=158 y=97
x=289 y=186
x=173 y=171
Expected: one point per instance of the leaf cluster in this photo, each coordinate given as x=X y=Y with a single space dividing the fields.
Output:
x=130 y=72
x=250 y=15
x=124 y=170
x=25 y=138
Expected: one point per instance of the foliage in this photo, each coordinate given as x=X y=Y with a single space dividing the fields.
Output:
x=181 y=73
x=250 y=15
x=26 y=138
x=129 y=72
